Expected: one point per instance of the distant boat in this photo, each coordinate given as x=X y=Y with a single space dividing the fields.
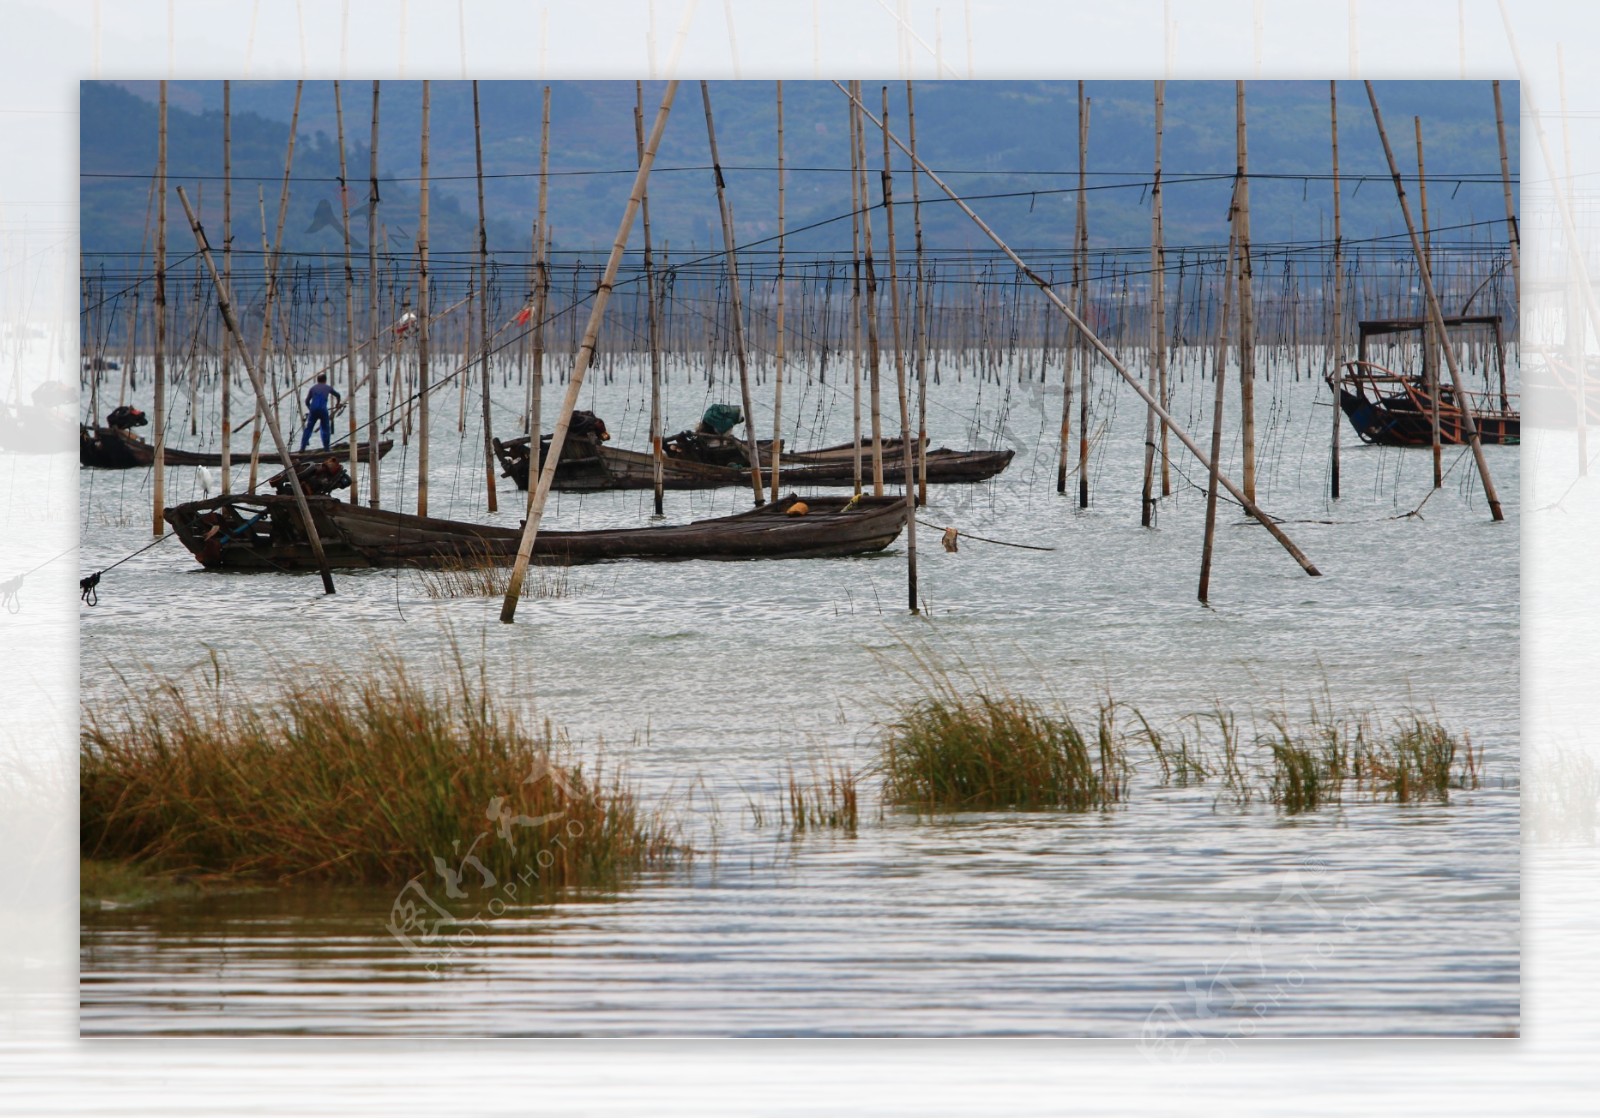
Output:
x=115 y=447
x=1395 y=409
x=248 y=532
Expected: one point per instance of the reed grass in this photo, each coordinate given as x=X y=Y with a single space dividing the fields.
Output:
x=951 y=751
x=830 y=799
x=471 y=578
x=355 y=777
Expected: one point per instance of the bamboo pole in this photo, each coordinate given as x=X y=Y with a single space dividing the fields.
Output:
x=735 y=302
x=483 y=307
x=271 y=255
x=921 y=343
x=1247 y=326
x=1513 y=233
x=530 y=528
x=1430 y=343
x=1468 y=424
x=777 y=388
x=1074 y=347
x=374 y=358
x=349 y=304
x=226 y=389
x=856 y=205
x=1158 y=321
x=1577 y=326
x=1083 y=298
x=1161 y=281
x=900 y=365
x=159 y=417
x=1219 y=399
x=1250 y=506
x=422 y=319
x=1336 y=340
x=657 y=451
x=874 y=354
x=542 y=302
x=225 y=306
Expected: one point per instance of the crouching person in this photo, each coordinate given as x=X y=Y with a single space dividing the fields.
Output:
x=318 y=479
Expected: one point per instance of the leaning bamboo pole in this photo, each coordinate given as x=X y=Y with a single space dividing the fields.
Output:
x=735 y=302
x=900 y=366
x=1468 y=424
x=1218 y=401
x=483 y=307
x=530 y=528
x=541 y=253
x=225 y=306
x=1247 y=326
x=1513 y=233
x=1250 y=506
x=870 y=292
x=422 y=319
x=271 y=255
x=374 y=357
x=159 y=411
x=856 y=205
x=653 y=336
x=349 y=304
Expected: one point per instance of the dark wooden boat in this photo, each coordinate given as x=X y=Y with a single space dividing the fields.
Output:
x=247 y=532
x=1395 y=409
x=111 y=448
x=587 y=464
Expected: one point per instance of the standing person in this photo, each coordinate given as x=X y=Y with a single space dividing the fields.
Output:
x=317 y=402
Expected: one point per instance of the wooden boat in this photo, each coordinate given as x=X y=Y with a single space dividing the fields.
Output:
x=587 y=464
x=1395 y=409
x=249 y=532
x=111 y=448
x=31 y=429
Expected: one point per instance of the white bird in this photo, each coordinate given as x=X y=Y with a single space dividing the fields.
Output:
x=205 y=480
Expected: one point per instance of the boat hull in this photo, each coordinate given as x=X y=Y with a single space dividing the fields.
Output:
x=107 y=448
x=260 y=533
x=1404 y=420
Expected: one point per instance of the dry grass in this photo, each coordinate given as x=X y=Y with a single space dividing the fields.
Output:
x=488 y=579
x=341 y=776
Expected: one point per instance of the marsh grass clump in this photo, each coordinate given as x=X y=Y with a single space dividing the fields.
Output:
x=356 y=777
x=1419 y=759
x=486 y=578
x=830 y=799
x=949 y=751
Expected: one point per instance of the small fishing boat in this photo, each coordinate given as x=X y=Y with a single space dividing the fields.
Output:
x=251 y=532
x=1395 y=409
x=114 y=447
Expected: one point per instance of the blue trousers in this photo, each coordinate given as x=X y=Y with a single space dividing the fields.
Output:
x=317 y=414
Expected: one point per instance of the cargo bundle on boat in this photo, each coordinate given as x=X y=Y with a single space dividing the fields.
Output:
x=1396 y=409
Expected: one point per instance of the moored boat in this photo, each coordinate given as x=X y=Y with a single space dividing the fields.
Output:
x=111 y=448
x=251 y=532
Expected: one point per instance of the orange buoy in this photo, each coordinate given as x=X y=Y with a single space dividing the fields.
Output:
x=798 y=509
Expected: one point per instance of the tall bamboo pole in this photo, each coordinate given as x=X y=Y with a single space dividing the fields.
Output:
x=159 y=474
x=1336 y=340
x=1577 y=325
x=349 y=304
x=1513 y=234
x=373 y=356
x=1158 y=320
x=1250 y=506
x=1219 y=399
x=1161 y=278
x=269 y=303
x=657 y=451
x=1075 y=346
x=921 y=311
x=856 y=205
x=1468 y=424
x=874 y=355
x=483 y=306
x=1083 y=298
x=1247 y=328
x=736 y=304
x=530 y=528
x=542 y=301
x=226 y=388
x=225 y=305
x=422 y=319
x=900 y=365
x=1430 y=342
x=777 y=388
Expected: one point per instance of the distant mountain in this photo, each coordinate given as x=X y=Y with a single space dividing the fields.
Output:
x=1011 y=147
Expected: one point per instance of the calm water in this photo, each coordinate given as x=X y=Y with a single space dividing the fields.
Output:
x=1173 y=918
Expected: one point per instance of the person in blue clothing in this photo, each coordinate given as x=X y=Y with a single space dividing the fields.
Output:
x=317 y=402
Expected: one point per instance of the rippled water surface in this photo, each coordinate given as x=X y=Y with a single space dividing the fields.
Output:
x=1173 y=917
